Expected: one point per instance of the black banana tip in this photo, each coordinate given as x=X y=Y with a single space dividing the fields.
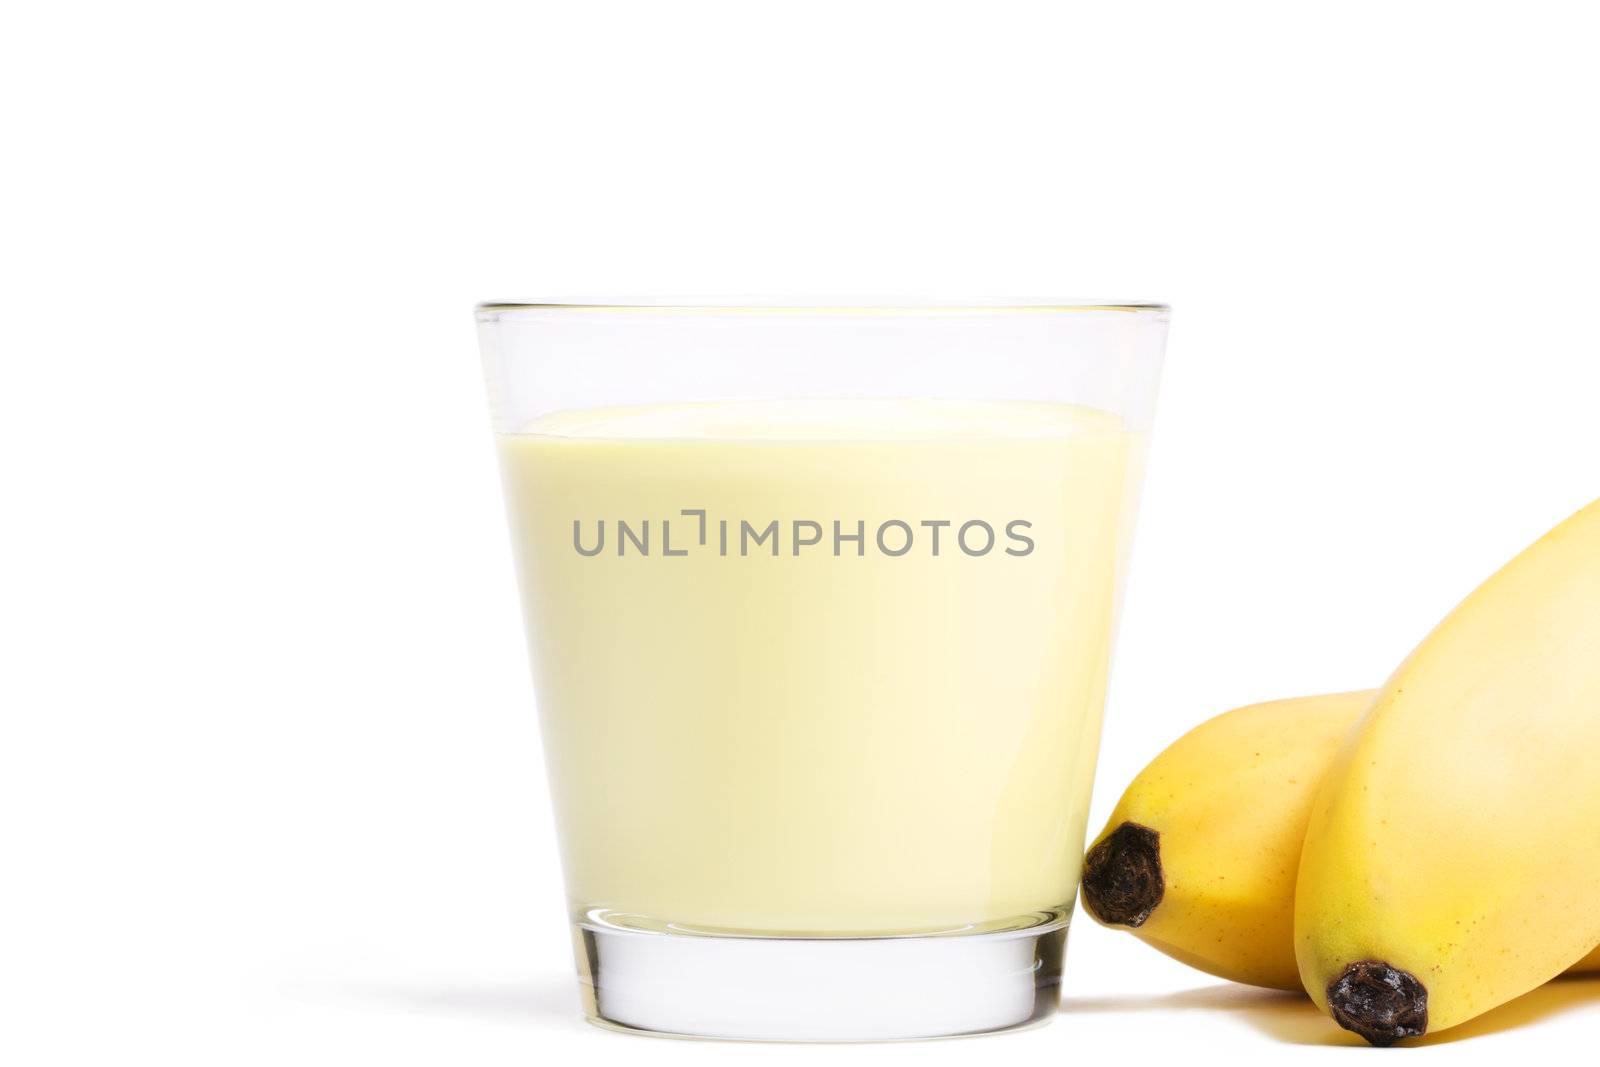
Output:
x=1122 y=878
x=1381 y=1003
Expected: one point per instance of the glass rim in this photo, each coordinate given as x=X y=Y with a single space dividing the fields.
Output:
x=703 y=305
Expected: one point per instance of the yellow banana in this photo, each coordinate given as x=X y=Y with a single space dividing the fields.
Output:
x=1200 y=856
x=1452 y=860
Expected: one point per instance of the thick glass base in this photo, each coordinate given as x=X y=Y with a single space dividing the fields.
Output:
x=821 y=989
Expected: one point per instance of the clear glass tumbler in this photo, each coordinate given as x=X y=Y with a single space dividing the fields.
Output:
x=821 y=604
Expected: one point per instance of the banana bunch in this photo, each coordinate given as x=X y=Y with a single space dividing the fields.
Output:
x=1411 y=856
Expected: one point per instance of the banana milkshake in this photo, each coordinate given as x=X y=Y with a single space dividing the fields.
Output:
x=821 y=667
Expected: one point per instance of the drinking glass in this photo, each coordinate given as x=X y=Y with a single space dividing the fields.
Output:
x=820 y=604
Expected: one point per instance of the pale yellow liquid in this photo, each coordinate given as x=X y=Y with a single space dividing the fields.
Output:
x=820 y=743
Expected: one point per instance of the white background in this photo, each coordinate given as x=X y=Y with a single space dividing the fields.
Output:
x=270 y=772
